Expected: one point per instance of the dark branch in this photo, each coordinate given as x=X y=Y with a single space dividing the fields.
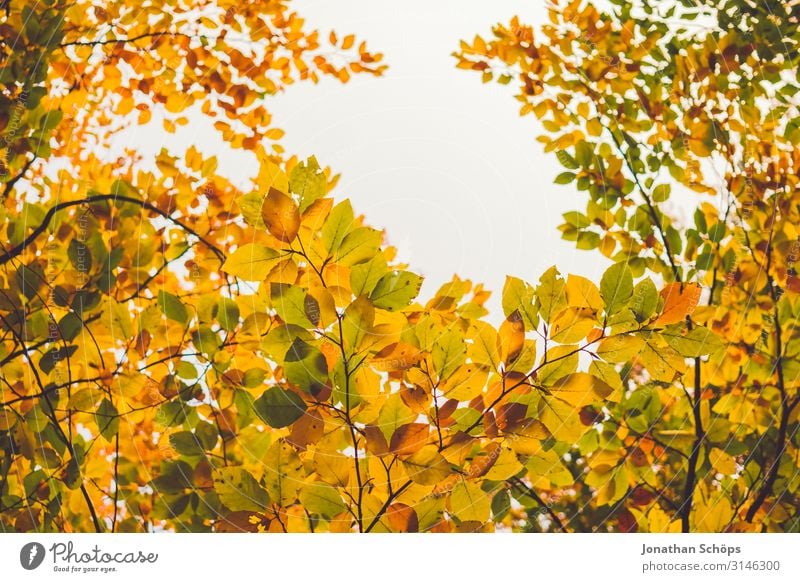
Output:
x=6 y=257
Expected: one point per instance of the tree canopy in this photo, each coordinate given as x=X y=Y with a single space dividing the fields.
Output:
x=179 y=353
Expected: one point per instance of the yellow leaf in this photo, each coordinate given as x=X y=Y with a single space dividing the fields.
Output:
x=527 y=438
x=580 y=389
x=283 y=473
x=663 y=363
x=619 y=349
x=427 y=466
x=506 y=466
x=722 y=462
x=483 y=347
x=468 y=502
x=176 y=102
x=581 y=292
x=712 y=510
x=572 y=324
x=251 y=262
x=281 y=215
x=466 y=383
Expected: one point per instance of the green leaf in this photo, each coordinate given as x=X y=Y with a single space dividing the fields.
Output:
x=251 y=262
x=305 y=366
x=449 y=352
x=308 y=181
x=587 y=241
x=661 y=192
x=321 y=499
x=70 y=326
x=227 y=313
x=278 y=407
x=551 y=294
x=107 y=419
x=567 y=160
x=80 y=256
x=365 y=276
x=520 y=297
x=561 y=360
x=289 y=301
x=172 y=307
x=565 y=178
x=186 y=443
x=52 y=357
x=616 y=287
x=339 y=224
x=206 y=434
x=620 y=348
x=30 y=279
x=254 y=377
x=394 y=413
x=51 y=119
x=360 y=245
x=206 y=341
x=239 y=491
x=645 y=300
x=396 y=290
x=174 y=477
x=700 y=341
x=357 y=321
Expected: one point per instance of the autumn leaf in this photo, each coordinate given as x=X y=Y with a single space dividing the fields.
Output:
x=278 y=407
x=580 y=388
x=396 y=290
x=469 y=503
x=251 y=262
x=409 y=438
x=679 y=301
x=281 y=215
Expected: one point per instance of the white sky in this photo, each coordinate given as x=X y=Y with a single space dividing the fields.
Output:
x=427 y=152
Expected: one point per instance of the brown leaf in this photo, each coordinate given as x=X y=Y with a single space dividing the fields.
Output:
x=376 y=442
x=307 y=429
x=409 y=438
x=510 y=415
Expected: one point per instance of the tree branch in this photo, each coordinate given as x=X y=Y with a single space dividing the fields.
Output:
x=9 y=255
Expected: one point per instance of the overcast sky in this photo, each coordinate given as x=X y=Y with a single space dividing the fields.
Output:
x=427 y=152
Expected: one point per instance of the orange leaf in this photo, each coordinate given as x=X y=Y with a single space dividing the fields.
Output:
x=678 y=303
x=511 y=338
x=409 y=438
x=484 y=461
x=402 y=518
x=308 y=429
x=396 y=356
x=281 y=215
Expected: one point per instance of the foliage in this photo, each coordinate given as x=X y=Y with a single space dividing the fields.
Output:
x=178 y=353
x=699 y=98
